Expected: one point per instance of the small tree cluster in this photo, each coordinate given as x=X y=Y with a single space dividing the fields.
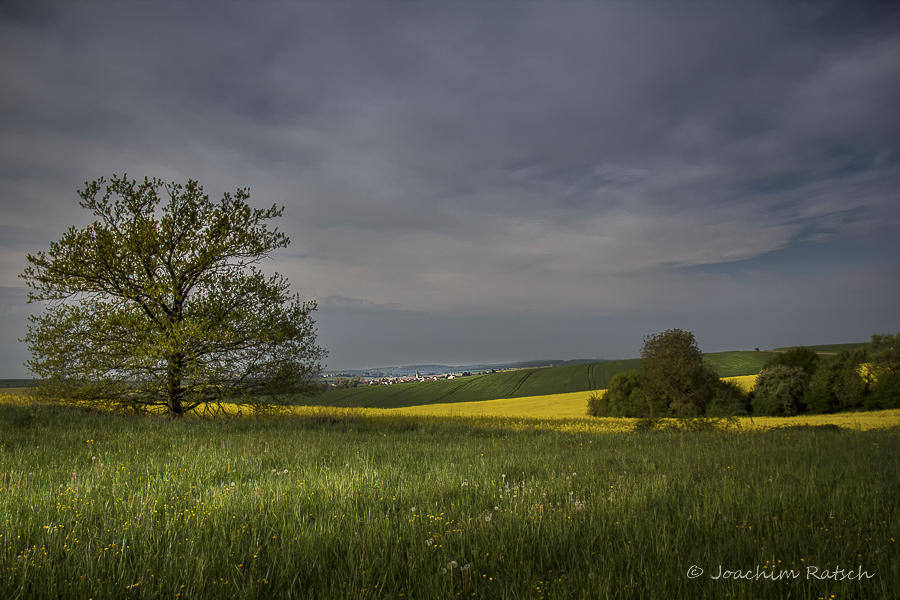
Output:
x=800 y=380
x=342 y=383
x=674 y=382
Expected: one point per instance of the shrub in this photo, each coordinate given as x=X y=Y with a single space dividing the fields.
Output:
x=626 y=397
x=838 y=383
x=623 y=398
x=883 y=372
x=885 y=392
x=779 y=391
x=730 y=401
x=598 y=405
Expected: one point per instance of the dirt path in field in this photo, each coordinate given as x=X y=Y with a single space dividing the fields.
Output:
x=512 y=394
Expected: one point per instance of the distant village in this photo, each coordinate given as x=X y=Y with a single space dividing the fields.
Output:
x=346 y=380
x=430 y=372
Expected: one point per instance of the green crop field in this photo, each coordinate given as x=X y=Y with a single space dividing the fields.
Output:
x=519 y=383
x=102 y=506
x=738 y=362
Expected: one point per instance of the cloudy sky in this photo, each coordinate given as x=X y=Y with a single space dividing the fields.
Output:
x=489 y=181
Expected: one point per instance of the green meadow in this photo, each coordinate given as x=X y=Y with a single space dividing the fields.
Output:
x=96 y=505
x=520 y=382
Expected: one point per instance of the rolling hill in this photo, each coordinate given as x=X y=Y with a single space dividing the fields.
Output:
x=828 y=348
x=519 y=383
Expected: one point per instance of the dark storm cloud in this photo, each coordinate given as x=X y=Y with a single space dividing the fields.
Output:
x=523 y=159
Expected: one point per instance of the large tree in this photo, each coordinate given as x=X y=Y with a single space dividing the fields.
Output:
x=675 y=376
x=159 y=303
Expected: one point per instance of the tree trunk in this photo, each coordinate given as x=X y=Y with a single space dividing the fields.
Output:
x=176 y=390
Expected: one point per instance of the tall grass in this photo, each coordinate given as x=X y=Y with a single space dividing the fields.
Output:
x=98 y=506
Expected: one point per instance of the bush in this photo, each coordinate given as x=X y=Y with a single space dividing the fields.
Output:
x=779 y=391
x=730 y=401
x=838 y=383
x=624 y=394
x=883 y=372
x=885 y=392
x=627 y=398
x=623 y=398
x=597 y=405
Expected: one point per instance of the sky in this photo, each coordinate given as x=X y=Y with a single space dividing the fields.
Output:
x=489 y=181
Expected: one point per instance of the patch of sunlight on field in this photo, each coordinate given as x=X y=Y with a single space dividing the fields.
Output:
x=557 y=406
x=881 y=419
x=745 y=381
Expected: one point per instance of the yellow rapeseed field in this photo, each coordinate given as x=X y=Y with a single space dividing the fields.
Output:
x=567 y=412
x=557 y=406
x=745 y=381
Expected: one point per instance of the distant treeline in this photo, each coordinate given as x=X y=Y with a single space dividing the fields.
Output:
x=16 y=383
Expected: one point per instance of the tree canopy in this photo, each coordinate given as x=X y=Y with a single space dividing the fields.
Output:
x=800 y=357
x=160 y=303
x=675 y=375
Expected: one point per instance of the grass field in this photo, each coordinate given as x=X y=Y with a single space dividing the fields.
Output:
x=100 y=506
x=519 y=383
